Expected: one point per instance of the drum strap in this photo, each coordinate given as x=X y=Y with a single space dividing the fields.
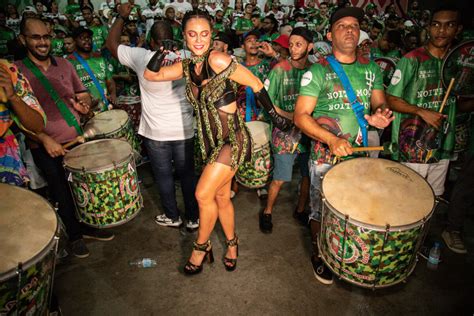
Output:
x=357 y=107
x=250 y=104
x=94 y=79
x=63 y=108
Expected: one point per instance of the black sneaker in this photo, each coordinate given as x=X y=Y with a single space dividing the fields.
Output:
x=301 y=217
x=265 y=222
x=79 y=249
x=321 y=272
x=98 y=234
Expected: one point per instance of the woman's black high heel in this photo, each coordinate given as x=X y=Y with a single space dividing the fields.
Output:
x=206 y=247
x=231 y=264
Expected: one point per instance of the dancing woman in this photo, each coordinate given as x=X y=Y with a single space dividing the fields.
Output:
x=225 y=142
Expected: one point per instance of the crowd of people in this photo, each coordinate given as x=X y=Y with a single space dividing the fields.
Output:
x=202 y=70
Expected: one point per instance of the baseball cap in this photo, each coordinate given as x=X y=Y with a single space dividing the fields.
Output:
x=29 y=8
x=80 y=30
x=363 y=37
x=408 y=23
x=283 y=40
x=304 y=33
x=354 y=12
x=252 y=32
x=221 y=36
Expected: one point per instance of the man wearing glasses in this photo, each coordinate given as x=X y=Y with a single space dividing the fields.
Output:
x=63 y=98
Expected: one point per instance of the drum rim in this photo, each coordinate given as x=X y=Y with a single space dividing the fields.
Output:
x=379 y=227
x=130 y=157
x=4 y=276
x=451 y=52
x=106 y=135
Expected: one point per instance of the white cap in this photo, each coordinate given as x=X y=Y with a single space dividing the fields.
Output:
x=408 y=23
x=300 y=24
x=30 y=9
x=363 y=36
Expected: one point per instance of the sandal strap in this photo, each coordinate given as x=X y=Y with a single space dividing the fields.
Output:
x=202 y=247
x=232 y=242
x=229 y=260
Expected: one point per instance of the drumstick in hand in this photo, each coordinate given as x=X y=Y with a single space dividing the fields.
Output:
x=78 y=139
x=446 y=95
x=387 y=148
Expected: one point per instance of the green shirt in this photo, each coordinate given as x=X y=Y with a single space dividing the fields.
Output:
x=5 y=37
x=417 y=81
x=99 y=36
x=57 y=46
x=283 y=86
x=101 y=69
x=73 y=9
x=333 y=110
x=243 y=25
x=375 y=52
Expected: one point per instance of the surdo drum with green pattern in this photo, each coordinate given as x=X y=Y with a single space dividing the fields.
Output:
x=374 y=219
x=103 y=179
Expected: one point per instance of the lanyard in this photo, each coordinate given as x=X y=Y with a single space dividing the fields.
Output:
x=63 y=108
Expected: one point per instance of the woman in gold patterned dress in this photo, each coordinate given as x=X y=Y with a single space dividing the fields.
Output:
x=211 y=81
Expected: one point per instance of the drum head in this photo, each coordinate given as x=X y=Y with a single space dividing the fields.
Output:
x=107 y=122
x=28 y=224
x=378 y=192
x=459 y=64
x=260 y=132
x=98 y=155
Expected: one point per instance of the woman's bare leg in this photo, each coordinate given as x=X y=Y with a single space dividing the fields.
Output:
x=227 y=217
x=213 y=178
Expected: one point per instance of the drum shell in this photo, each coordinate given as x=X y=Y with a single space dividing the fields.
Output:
x=106 y=196
x=33 y=282
x=373 y=255
x=257 y=172
x=123 y=130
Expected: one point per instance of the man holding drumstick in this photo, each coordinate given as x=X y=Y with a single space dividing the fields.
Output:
x=424 y=131
x=324 y=112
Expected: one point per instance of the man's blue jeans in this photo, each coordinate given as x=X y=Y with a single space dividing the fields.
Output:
x=164 y=155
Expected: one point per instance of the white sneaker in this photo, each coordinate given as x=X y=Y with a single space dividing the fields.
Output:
x=164 y=220
x=192 y=225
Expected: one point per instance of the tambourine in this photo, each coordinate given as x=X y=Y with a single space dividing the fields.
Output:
x=459 y=64
x=387 y=66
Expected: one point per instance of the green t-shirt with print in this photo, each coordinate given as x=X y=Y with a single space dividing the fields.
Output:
x=269 y=38
x=57 y=47
x=333 y=110
x=243 y=25
x=417 y=81
x=375 y=52
x=99 y=36
x=283 y=86
x=73 y=9
x=101 y=69
x=5 y=37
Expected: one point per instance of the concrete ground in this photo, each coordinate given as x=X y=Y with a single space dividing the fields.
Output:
x=274 y=274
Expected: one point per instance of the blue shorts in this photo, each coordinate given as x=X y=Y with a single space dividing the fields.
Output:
x=283 y=166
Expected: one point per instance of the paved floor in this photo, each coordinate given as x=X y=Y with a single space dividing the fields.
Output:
x=273 y=277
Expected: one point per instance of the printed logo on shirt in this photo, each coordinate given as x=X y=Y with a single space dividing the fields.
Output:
x=397 y=76
x=266 y=84
x=306 y=79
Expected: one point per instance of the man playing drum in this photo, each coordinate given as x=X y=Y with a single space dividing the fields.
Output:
x=324 y=113
x=283 y=85
x=52 y=77
x=425 y=135
x=166 y=122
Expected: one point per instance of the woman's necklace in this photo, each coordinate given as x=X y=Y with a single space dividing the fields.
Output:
x=199 y=59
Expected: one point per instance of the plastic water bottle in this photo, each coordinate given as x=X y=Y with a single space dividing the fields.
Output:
x=433 y=259
x=143 y=263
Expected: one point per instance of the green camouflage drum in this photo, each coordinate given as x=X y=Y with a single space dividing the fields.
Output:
x=114 y=124
x=28 y=245
x=103 y=180
x=374 y=219
x=257 y=173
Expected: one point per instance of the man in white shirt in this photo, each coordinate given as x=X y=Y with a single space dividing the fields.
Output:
x=182 y=5
x=166 y=122
x=150 y=13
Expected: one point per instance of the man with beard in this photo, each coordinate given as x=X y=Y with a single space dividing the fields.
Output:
x=269 y=29
x=166 y=122
x=415 y=93
x=221 y=42
x=69 y=46
x=170 y=14
x=220 y=25
x=283 y=86
x=63 y=98
x=324 y=113
x=93 y=70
